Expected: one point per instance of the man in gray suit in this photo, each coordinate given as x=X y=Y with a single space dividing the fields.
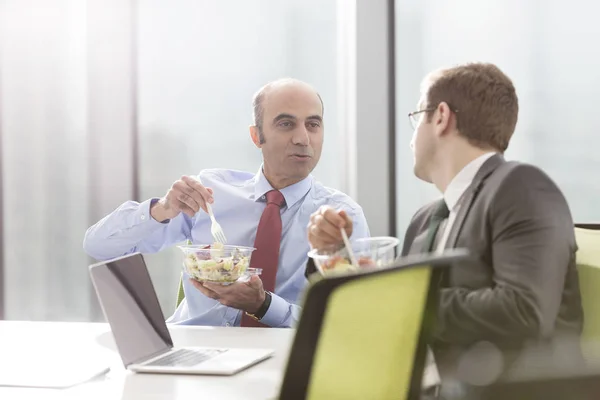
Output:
x=520 y=292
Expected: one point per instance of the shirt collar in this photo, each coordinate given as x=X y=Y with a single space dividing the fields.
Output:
x=292 y=194
x=463 y=180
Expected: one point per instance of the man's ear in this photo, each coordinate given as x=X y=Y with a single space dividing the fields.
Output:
x=442 y=118
x=255 y=136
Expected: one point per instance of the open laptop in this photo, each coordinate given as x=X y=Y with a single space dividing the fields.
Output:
x=131 y=307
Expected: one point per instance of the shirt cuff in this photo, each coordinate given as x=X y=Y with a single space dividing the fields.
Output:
x=142 y=214
x=278 y=312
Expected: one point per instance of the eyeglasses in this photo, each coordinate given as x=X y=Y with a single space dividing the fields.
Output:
x=414 y=116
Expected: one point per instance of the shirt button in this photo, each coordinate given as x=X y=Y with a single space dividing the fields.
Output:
x=143 y=217
x=228 y=324
x=263 y=198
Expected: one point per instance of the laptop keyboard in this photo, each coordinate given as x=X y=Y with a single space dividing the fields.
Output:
x=185 y=357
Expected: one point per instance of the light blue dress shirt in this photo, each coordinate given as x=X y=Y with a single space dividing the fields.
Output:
x=238 y=205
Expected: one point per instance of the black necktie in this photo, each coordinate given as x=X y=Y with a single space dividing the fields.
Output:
x=439 y=215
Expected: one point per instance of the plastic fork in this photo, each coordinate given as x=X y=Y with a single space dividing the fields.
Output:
x=215 y=228
x=349 y=248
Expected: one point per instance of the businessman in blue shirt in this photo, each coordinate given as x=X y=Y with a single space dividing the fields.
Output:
x=288 y=129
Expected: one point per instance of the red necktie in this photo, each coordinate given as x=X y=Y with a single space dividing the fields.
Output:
x=268 y=239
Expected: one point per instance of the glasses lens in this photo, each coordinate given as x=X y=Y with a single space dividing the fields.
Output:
x=413 y=120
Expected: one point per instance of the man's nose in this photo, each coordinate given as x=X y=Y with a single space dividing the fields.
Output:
x=301 y=137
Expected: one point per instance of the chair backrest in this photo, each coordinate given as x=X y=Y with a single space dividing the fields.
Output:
x=588 y=268
x=180 y=292
x=363 y=336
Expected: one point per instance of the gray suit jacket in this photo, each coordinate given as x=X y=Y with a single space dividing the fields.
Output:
x=520 y=293
x=519 y=296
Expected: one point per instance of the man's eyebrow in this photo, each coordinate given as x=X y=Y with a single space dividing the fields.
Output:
x=317 y=117
x=283 y=116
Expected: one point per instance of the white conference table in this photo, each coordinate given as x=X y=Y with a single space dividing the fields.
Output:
x=50 y=343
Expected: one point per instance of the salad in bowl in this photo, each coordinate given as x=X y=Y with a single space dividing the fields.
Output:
x=218 y=263
x=372 y=252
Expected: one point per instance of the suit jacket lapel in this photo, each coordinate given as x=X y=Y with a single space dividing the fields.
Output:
x=418 y=244
x=415 y=238
x=470 y=195
x=467 y=202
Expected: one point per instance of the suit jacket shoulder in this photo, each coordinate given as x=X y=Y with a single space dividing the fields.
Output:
x=523 y=189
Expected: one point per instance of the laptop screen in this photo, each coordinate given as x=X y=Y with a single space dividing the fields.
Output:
x=131 y=307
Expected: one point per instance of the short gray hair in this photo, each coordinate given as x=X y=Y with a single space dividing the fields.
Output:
x=258 y=111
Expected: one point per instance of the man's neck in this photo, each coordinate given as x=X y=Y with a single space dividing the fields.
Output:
x=278 y=182
x=450 y=166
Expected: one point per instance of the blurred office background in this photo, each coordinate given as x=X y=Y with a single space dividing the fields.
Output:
x=102 y=101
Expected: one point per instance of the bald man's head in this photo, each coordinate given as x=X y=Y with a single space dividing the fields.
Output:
x=258 y=106
x=288 y=128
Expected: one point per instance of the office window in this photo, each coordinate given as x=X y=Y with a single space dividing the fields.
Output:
x=78 y=79
x=545 y=48
x=44 y=150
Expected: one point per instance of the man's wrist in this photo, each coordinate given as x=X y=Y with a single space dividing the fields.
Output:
x=156 y=211
x=264 y=307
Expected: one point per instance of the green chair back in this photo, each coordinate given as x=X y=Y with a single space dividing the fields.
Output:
x=180 y=292
x=363 y=336
x=588 y=268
